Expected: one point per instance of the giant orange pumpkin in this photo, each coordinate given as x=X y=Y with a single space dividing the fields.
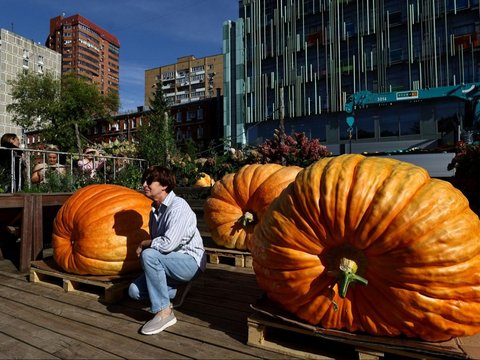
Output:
x=98 y=229
x=372 y=245
x=238 y=201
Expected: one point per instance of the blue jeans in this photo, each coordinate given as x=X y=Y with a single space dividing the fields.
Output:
x=162 y=273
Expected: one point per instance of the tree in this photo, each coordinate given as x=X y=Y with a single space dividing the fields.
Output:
x=156 y=139
x=59 y=109
x=35 y=99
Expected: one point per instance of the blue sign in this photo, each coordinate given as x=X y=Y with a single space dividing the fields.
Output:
x=350 y=121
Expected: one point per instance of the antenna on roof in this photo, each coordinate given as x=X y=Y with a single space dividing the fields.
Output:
x=11 y=24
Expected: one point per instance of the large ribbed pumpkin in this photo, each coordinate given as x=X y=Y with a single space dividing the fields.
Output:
x=238 y=201
x=98 y=229
x=372 y=245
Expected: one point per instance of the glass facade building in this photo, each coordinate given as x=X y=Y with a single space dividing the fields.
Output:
x=318 y=52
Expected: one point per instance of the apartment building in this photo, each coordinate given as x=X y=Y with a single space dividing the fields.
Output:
x=17 y=55
x=188 y=80
x=194 y=90
x=317 y=53
x=87 y=50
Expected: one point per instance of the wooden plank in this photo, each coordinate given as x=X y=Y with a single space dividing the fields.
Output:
x=12 y=348
x=37 y=236
x=54 y=199
x=26 y=234
x=116 y=333
x=90 y=340
x=12 y=200
x=205 y=334
x=54 y=345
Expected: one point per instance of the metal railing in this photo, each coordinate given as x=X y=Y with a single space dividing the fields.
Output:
x=17 y=167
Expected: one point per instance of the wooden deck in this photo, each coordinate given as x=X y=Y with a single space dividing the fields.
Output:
x=40 y=321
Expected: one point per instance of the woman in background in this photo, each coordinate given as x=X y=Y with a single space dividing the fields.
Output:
x=91 y=162
x=52 y=165
x=12 y=165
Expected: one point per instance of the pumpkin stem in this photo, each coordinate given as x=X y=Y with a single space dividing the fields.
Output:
x=246 y=219
x=348 y=269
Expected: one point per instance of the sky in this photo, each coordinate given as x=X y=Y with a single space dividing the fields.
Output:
x=152 y=33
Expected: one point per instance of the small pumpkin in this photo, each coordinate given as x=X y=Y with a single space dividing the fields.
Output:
x=238 y=201
x=372 y=245
x=98 y=229
x=204 y=180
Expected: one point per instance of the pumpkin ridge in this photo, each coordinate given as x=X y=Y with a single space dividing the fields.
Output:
x=105 y=196
x=370 y=236
x=377 y=313
x=83 y=200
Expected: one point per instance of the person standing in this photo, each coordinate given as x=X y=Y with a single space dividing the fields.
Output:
x=173 y=256
x=11 y=161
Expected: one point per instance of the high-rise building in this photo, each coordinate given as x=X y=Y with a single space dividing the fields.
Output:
x=317 y=53
x=87 y=50
x=17 y=55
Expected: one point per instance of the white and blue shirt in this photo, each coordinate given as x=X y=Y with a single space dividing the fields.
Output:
x=173 y=227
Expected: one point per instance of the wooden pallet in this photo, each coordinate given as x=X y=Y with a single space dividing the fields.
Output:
x=228 y=257
x=108 y=289
x=271 y=329
x=268 y=334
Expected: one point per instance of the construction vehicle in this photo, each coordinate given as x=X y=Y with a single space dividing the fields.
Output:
x=469 y=92
x=467 y=127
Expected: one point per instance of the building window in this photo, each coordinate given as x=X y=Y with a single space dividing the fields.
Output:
x=200 y=114
x=179 y=135
x=191 y=115
x=198 y=68
x=199 y=132
x=178 y=116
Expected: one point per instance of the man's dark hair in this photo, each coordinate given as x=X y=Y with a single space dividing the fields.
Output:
x=164 y=176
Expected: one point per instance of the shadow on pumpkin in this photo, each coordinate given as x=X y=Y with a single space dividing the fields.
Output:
x=129 y=223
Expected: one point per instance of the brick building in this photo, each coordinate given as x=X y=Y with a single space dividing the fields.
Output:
x=87 y=50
